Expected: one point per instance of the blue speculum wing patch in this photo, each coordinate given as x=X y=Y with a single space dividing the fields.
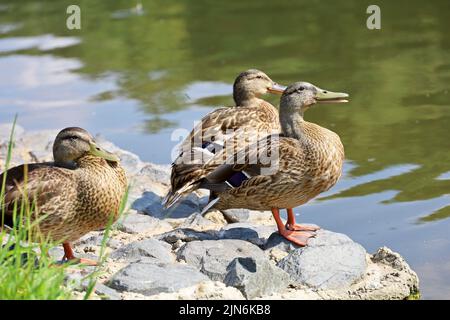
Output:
x=236 y=179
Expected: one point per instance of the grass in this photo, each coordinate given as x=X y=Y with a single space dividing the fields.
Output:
x=26 y=270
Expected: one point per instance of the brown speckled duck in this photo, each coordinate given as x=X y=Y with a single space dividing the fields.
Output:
x=307 y=160
x=76 y=194
x=250 y=113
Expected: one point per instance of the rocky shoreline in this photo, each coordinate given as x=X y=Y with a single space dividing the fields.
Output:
x=180 y=254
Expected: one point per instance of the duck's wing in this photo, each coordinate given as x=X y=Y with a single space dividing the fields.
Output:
x=266 y=157
x=208 y=137
x=270 y=161
x=221 y=124
x=34 y=184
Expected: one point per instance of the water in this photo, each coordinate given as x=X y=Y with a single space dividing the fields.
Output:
x=135 y=73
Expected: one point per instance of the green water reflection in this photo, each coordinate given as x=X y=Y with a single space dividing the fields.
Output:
x=398 y=77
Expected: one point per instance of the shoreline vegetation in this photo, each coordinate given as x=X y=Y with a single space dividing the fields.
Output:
x=151 y=253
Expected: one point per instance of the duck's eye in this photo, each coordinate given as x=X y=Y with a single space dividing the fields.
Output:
x=301 y=88
x=72 y=138
x=259 y=77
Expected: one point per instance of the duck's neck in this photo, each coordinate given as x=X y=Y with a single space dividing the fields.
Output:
x=292 y=124
x=244 y=98
x=90 y=162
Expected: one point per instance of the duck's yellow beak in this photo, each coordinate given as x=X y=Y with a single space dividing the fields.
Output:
x=99 y=152
x=325 y=96
x=276 y=88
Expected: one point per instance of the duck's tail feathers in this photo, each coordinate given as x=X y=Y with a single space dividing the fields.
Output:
x=209 y=206
x=173 y=196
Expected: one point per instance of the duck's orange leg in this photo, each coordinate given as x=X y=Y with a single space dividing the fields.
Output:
x=69 y=256
x=291 y=225
x=297 y=237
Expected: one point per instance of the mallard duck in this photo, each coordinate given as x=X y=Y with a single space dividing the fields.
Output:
x=75 y=194
x=306 y=159
x=249 y=113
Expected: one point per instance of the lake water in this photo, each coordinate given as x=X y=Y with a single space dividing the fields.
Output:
x=134 y=75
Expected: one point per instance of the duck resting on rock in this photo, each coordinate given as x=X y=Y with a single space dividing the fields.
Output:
x=77 y=193
x=250 y=114
x=307 y=160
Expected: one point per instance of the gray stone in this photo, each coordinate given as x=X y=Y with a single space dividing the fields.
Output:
x=5 y=132
x=106 y=292
x=81 y=283
x=256 y=234
x=139 y=223
x=158 y=251
x=197 y=222
x=213 y=257
x=41 y=143
x=95 y=238
x=159 y=173
x=149 y=279
x=255 y=277
x=279 y=242
x=236 y=215
x=330 y=261
x=387 y=256
x=150 y=203
x=187 y=235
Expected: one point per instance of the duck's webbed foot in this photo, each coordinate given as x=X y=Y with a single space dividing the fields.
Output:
x=299 y=238
x=302 y=227
x=70 y=257
x=291 y=225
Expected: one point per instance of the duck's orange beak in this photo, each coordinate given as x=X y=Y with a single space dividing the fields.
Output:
x=276 y=88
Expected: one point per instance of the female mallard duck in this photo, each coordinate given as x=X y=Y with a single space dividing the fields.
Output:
x=251 y=113
x=306 y=160
x=75 y=194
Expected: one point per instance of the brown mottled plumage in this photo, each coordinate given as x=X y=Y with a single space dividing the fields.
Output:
x=251 y=113
x=307 y=160
x=76 y=194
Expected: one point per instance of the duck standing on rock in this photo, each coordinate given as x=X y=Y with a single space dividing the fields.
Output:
x=309 y=162
x=251 y=113
x=75 y=194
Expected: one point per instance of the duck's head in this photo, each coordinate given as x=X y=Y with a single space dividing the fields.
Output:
x=73 y=143
x=299 y=96
x=253 y=84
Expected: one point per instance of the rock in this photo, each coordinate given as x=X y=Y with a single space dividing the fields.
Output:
x=187 y=235
x=140 y=223
x=106 y=292
x=158 y=251
x=80 y=283
x=255 y=277
x=5 y=132
x=387 y=256
x=216 y=217
x=95 y=238
x=236 y=215
x=149 y=278
x=158 y=173
x=198 y=223
x=149 y=175
x=276 y=254
x=40 y=144
x=205 y=290
x=261 y=217
x=280 y=243
x=245 y=231
x=213 y=257
x=330 y=261
x=150 y=203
